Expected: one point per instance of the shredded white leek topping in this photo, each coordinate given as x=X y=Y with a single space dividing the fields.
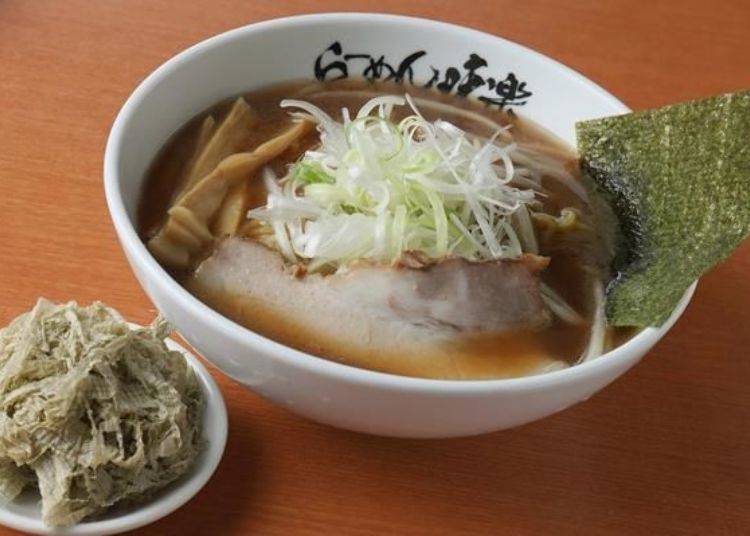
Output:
x=375 y=188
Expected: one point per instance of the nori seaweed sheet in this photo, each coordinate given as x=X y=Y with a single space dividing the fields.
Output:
x=679 y=180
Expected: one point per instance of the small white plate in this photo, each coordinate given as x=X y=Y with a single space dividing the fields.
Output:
x=25 y=513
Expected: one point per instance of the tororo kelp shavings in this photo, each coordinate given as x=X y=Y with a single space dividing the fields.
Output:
x=92 y=411
x=679 y=179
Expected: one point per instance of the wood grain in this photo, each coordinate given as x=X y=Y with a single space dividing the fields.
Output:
x=665 y=450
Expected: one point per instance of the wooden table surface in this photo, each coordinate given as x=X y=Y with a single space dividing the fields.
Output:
x=665 y=450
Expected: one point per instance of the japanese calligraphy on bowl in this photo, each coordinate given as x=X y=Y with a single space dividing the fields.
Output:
x=474 y=77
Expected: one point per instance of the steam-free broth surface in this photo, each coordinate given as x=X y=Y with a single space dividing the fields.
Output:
x=469 y=356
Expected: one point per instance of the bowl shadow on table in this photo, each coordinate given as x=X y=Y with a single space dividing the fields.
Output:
x=665 y=438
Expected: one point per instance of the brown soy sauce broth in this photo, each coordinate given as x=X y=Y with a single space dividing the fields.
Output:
x=471 y=357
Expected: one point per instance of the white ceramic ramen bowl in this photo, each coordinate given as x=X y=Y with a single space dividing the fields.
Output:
x=330 y=46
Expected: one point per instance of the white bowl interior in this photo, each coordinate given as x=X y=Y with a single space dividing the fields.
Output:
x=287 y=49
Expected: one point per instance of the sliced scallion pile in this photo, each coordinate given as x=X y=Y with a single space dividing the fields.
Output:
x=375 y=188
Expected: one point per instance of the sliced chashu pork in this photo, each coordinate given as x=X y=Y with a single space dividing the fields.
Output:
x=382 y=317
